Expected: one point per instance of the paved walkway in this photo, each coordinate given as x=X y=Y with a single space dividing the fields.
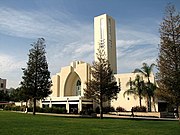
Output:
x=140 y=118
x=108 y=116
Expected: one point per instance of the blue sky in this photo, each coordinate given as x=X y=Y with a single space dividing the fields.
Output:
x=67 y=26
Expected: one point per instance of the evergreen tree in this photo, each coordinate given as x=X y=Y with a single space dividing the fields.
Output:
x=36 y=79
x=102 y=87
x=169 y=57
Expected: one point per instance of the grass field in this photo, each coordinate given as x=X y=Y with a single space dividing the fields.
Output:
x=12 y=123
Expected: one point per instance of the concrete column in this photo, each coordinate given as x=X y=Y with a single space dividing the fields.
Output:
x=40 y=102
x=80 y=105
x=67 y=105
x=50 y=104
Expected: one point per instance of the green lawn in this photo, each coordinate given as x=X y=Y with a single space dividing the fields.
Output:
x=12 y=123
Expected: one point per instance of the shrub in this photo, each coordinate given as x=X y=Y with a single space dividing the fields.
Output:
x=15 y=108
x=86 y=112
x=139 y=109
x=120 y=109
x=97 y=110
x=38 y=109
x=22 y=108
x=105 y=109
x=53 y=110
x=108 y=109
x=9 y=107
x=30 y=109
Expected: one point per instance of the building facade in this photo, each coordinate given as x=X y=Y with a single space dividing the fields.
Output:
x=68 y=85
x=3 y=85
x=105 y=38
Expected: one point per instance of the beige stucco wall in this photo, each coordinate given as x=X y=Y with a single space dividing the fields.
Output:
x=64 y=82
x=55 y=85
x=129 y=101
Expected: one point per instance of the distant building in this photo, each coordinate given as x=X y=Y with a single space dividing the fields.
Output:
x=69 y=83
x=3 y=85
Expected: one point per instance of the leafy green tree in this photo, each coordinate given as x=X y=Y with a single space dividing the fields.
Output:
x=136 y=88
x=102 y=87
x=14 y=95
x=19 y=95
x=36 y=79
x=169 y=57
x=146 y=70
x=4 y=96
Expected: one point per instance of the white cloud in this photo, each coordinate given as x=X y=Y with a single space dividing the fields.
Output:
x=134 y=48
x=36 y=24
x=9 y=63
x=69 y=40
x=10 y=69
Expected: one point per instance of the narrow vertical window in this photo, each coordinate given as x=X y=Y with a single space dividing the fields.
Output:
x=2 y=85
x=109 y=33
x=78 y=88
x=109 y=28
x=102 y=28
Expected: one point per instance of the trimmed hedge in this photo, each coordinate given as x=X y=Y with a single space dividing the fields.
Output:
x=120 y=109
x=86 y=112
x=139 y=109
x=38 y=109
x=105 y=109
x=14 y=108
x=49 y=110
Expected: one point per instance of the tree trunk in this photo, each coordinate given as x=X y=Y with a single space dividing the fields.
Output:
x=154 y=104
x=149 y=104
x=177 y=111
x=34 y=107
x=149 y=96
x=140 y=101
x=101 y=110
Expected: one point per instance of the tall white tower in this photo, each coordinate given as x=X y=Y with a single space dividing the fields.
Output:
x=105 y=36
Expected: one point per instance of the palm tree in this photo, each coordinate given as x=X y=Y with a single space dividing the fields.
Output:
x=154 y=88
x=136 y=87
x=146 y=71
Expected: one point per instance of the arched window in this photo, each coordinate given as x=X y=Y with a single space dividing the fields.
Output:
x=78 y=88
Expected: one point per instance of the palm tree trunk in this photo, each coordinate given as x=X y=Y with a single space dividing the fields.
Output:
x=140 y=101
x=154 y=104
x=149 y=104
x=149 y=96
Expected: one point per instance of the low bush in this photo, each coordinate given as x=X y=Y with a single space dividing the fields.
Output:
x=120 y=109
x=7 y=107
x=105 y=109
x=97 y=110
x=38 y=109
x=108 y=109
x=86 y=112
x=139 y=109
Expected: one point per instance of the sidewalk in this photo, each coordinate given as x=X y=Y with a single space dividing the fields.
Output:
x=107 y=116
x=138 y=118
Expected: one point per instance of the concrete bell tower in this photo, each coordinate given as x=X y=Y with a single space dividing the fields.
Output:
x=105 y=37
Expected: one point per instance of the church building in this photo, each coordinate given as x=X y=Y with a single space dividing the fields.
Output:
x=68 y=84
